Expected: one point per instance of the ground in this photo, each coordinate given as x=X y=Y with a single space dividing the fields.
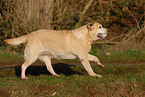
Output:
x=119 y=79
x=60 y=66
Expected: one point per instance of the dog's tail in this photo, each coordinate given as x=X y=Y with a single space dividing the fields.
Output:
x=16 y=41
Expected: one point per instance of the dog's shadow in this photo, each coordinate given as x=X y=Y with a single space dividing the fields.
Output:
x=59 y=68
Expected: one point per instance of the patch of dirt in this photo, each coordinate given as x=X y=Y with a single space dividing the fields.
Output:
x=90 y=91
x=44 y=89
x=4 y=93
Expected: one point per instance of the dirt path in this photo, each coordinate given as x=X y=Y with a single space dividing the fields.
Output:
x=13 y=69
x=67 y=62
x=4 y=65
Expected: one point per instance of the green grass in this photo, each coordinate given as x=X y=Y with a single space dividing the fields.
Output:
x=6 y=56
x=128 y=55
x=117 y=81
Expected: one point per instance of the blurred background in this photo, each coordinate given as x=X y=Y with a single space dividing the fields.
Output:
x=125 y=19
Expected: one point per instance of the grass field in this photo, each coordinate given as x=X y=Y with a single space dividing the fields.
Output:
x=117 y=81
x=124 y=77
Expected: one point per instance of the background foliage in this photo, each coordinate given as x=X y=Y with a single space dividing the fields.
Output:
x=124 y=18
x=126 y=22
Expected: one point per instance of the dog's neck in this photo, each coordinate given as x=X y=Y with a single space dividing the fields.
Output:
x=83 y=35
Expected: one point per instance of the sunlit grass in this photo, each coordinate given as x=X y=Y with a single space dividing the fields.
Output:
x=6 y=56
x=128 y=55
x=118 y=80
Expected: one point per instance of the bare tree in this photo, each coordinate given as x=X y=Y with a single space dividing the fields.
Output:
x=30 y=15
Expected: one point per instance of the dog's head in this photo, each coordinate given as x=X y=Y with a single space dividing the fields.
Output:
x=97 y=31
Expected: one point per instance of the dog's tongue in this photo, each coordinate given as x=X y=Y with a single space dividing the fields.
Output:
x=100 y=36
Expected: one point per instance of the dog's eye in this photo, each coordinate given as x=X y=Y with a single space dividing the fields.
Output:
x=100 y=26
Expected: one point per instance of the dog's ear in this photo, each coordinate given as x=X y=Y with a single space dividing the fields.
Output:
x=90 y=26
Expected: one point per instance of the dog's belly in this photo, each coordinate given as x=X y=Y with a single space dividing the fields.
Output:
x=64 y=55
x=67 y=56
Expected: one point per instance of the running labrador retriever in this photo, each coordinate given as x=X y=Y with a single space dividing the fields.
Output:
x=48 y=44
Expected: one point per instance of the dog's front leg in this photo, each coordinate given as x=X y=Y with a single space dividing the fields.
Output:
x=86 y=64
x=95 y=59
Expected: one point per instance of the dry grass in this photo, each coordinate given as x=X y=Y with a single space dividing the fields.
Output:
x=25 y=16
x=125 y=19
x=134 y=39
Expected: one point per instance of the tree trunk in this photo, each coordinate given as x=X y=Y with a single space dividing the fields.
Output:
x=33 y=14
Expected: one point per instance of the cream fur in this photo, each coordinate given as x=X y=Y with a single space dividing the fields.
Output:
x=47 y=44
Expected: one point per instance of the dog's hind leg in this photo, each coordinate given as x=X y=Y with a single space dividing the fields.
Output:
x=95 y=59
x=25 y=65
x=47 y=61
x=30 y=56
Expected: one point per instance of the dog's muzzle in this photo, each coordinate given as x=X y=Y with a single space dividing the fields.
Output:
x=102 y=35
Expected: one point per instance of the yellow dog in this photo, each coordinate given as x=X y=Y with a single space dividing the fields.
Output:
x=48 y=44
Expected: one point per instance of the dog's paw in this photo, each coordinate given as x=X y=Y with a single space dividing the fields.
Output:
x=101 y=65
x=56 y=75
x=24 y=77
x=94 y=74
x=99 y=76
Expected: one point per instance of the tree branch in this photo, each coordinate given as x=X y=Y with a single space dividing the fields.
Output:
x=83 y=12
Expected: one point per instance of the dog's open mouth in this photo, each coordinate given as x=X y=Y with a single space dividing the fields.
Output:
x=101 y=35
